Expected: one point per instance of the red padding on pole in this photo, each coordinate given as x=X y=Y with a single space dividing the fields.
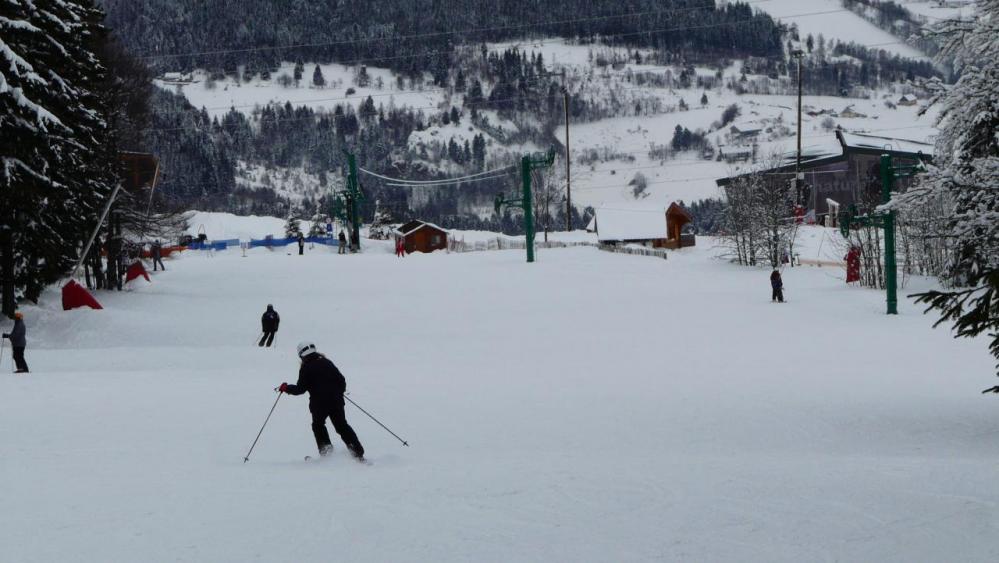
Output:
x=136 y=270
x=75 y=295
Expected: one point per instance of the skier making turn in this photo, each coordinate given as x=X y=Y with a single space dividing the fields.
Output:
x=326 y=386
x=269 y=322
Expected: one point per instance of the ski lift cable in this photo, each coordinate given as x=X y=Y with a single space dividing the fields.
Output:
x=445 y=182
x=470 y=178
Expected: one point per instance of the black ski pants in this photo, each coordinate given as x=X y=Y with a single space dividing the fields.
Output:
x=267 y=338
x=778 y=295
x=334 y=412
x=301 y=249
x=157 y=261
x=19 y=358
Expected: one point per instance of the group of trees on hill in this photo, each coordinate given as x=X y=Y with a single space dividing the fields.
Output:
x=416 y=36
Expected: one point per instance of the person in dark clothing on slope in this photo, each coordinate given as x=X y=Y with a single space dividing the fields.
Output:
x=157 y=254
x=301 y=244
x=18 y=342
x=269 y=323
x=342 y=247
x=778 y=286
x=325 y=385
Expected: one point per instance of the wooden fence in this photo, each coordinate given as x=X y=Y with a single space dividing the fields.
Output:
x=500 y=243
x=635 y=250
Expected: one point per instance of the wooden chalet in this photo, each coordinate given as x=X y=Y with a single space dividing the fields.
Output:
x=647 y=225
x=420 y=236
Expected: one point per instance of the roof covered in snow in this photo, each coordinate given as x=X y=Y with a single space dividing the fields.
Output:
x=415 y=225
x=873 y=142
x=624 y=222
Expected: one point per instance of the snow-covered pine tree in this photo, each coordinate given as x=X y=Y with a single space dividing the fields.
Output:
x=52 y=129
x=966 y=169
x=292 y=227
x=318 y=227
x=381 y=224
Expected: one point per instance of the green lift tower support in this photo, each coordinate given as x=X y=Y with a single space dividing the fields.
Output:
x=528 y=163
x=345 y=204
x=885 y=219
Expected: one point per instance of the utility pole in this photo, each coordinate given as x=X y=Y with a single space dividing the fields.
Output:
x=568 y=155
x=568 y=158
x=798 y=179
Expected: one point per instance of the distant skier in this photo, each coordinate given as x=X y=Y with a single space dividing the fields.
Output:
x=269 y=322
x=301 y=244
x=157 y=253
x=342 y=247
x=400 y=247
x=778 y=286
x=325 y=385
x=18 y=341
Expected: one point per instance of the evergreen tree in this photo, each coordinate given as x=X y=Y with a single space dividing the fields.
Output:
x=966 y=170
x=52 y=177
x=479 y=151
x=292 y=227
x=318 y=79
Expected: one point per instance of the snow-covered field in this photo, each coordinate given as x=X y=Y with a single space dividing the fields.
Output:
x=217 y=98
x=830 y=19
x=589 y=407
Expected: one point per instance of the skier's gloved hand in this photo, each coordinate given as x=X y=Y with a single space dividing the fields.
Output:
x=283 y=388
x=5 y=335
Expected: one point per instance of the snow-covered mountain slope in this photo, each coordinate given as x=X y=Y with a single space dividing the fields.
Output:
x=341 y=88
x=830 y=19
x=607 y=153
x=651 y=410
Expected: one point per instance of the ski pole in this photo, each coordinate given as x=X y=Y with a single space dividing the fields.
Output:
x=257 y=339
x=1 y=350
x=247 y=458
x=404 y=443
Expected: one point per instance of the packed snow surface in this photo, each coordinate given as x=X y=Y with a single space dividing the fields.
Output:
x=588 y=407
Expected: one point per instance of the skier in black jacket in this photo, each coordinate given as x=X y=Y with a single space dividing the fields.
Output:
x=777 y=284
x=326 y=386
x=269 y=323
x=18 y=342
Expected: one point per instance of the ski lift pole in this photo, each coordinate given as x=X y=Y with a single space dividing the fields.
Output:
x=526 y=200
x=888 y=222
x=884 y=219
x=353 y=200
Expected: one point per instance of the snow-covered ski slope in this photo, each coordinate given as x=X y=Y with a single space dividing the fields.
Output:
x=589 y=407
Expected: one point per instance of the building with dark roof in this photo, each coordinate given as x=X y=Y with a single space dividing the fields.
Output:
x=848 y=176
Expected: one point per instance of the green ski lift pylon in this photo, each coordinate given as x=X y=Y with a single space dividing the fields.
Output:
x=528 y=163
x=883 y=219
x=345 y=203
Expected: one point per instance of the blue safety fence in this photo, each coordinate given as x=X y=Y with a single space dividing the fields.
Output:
x=255 y=243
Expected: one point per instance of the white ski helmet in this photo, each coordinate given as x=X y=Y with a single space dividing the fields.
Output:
x=305 y=348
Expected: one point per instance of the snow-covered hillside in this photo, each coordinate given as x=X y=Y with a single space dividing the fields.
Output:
x=649 y=410
x=831 y=20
